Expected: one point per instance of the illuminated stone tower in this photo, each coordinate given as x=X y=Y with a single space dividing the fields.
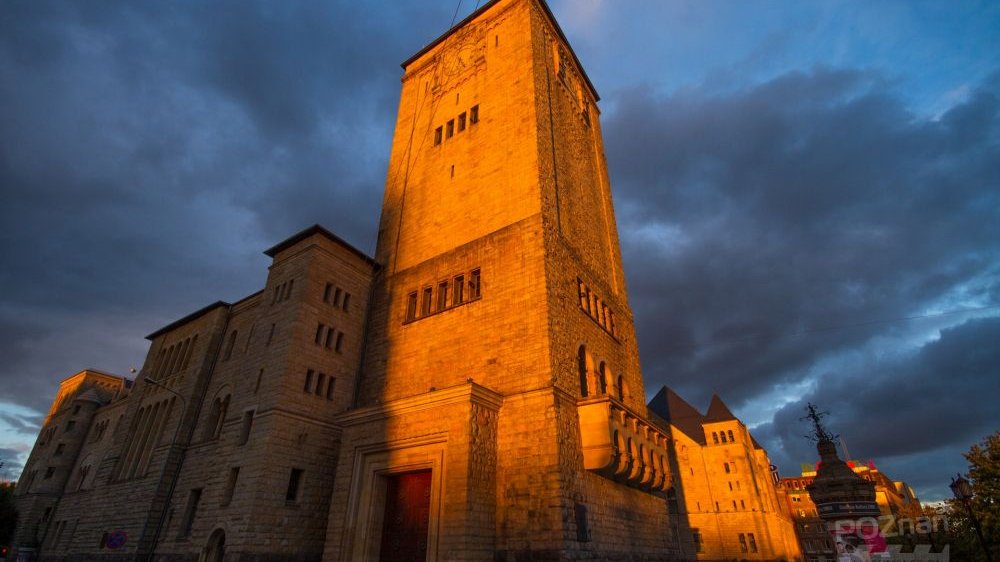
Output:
x=499 y=411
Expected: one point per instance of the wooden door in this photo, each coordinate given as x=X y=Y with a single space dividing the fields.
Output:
x=407 y=517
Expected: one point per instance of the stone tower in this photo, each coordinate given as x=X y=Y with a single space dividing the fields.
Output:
x=499 y=412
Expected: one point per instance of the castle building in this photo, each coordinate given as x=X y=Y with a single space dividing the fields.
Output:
x=471 y=392
x=726 y=499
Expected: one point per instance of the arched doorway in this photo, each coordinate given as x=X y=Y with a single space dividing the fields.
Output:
x=215 y=550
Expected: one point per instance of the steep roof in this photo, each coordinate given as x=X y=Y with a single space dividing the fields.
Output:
x=718 y=411
x=671 y=407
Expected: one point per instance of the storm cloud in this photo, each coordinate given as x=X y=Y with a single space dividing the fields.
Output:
x=796 y=226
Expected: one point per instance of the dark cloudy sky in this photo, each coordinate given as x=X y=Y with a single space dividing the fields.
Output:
x=807 y=192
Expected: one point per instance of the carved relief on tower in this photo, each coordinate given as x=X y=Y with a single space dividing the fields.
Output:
x=461 y=55
x=483 y=440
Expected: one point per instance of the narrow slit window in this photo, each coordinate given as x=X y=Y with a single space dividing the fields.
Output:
x=425 y=303
x=294 y=482
x=229 y=346
x=247 y=426
x=234 y=475
x=475 y=286
x=442 y=300
x=270 y=335
x=411 y=307
x=459 y=290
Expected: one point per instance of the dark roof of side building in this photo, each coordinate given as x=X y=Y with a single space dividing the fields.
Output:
x=668 y=405
x=488 y=5
x=193 y=316
x=317 y=229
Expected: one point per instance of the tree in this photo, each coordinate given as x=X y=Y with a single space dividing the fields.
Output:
x=8 y=514
x=984 y=475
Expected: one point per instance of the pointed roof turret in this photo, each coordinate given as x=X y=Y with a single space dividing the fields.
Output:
x=671 y=407
x=718 y=411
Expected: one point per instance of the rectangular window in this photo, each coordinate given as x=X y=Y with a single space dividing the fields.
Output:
x=320 y=379
x=450 y=130
x=459 y=290
x=475 y=287
x=69 y=426
x=247 y=426
x=425 y=303
x=698 y=546
x=461 y=122
x=309 y=380
x=288 y=289
x=326 y=292
x=336 y=297
x=190 y=511
x=340 y=342
x=743 y=543
x=411 y=307
x=59 y=449
x=227 y=495
x=294 y=480
x=753 y=542
x=319 y=333
x=330 y=385
x=442 y=301
x=270 y=335
x=329 y=339
x=474 y=115
x=49 y=472
x=347 y=298
x=437 y=136
x=725 y=465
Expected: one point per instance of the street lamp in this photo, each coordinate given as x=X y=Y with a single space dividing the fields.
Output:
x=963 y=493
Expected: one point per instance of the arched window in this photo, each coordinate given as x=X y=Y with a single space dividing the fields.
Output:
x=602 y=378
x=715 y=437
x=731 y=440
x=723 y=434
x=621 y=387
x=581 y=360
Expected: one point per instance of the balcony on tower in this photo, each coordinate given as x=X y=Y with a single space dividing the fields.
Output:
x=623 y=445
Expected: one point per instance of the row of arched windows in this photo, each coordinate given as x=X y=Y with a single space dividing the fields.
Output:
x=149 y=424
x=598 y=381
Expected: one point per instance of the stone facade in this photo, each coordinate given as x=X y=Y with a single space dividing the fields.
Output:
x=487 y=353
x=727 y=500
